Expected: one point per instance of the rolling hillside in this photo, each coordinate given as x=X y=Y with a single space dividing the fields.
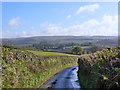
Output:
x=61 y=39
x=62 y=44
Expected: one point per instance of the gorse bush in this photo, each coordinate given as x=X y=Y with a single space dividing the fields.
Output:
x=23 y=69
x=100 y=69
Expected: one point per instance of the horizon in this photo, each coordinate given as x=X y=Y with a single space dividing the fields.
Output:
x=57 y=36
x=31 y=19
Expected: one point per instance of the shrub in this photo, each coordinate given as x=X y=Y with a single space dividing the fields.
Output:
x=102 y=68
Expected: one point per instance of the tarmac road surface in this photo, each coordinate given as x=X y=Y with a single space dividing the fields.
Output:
x=65 y=79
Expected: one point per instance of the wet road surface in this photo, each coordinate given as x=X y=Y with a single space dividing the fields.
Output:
x=67 y=78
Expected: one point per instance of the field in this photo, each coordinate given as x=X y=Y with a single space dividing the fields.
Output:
x=41 y=53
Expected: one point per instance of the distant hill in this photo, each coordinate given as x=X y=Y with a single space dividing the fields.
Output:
x=59 y=39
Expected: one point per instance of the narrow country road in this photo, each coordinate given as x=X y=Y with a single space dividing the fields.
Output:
x=67 y=78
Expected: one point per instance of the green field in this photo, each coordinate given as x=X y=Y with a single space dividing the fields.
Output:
x=41 y=53
x=85 y=47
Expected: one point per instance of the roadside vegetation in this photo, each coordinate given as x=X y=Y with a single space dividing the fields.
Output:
x=30 y=69
x=100 y=69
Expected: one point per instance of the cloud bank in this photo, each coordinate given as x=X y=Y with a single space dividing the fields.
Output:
x=108 y=25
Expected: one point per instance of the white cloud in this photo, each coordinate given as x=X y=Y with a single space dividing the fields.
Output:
x=108 y=25
x=69 y=16
x=88 y=8
x=14 y=22
x=51 y=29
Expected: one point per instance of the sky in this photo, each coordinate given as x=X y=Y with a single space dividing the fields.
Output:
x=26 y=19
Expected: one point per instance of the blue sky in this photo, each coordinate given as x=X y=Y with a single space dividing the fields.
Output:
x=25 y=19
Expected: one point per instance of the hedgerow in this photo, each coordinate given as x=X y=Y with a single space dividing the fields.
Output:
x=100 y=69
x=23 y=69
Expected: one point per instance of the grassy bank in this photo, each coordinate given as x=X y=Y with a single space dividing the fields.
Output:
x=25 y=69
x=100 y=69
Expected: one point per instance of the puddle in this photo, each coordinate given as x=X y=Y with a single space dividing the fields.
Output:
x=73 y=68
x=54 y=82
x=68 y=77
